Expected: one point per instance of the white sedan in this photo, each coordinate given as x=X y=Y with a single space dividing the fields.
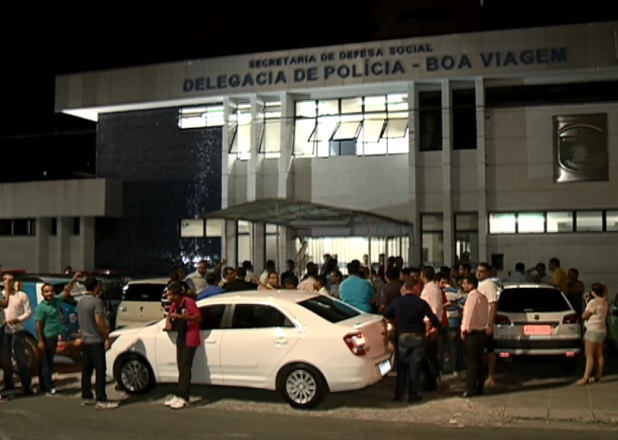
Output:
x=299 y=343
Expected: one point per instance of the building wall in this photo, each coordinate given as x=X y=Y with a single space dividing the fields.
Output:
x=520 y=177
x=168 y=174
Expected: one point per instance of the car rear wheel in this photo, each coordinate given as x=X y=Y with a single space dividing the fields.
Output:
x=134 y=374
x=302 y=386
x=33 y=355
x=568 y=365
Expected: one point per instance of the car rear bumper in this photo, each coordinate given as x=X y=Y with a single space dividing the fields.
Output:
x=529 y=347
x=363 y=374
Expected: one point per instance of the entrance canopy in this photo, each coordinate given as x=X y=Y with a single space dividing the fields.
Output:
x=309 y=219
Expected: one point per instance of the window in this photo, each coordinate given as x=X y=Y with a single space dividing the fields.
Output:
x=588 y=221
x=211 y=316
x=329 y=309
x=202 y=116
x=240 y=131
x=258 y=316
x=466 y=237
x=502 y=223
x=54 y=227
x=77 y=226
x=532 y=300
x=366 y=125
x=430 y=121
x=18 y=227
x=432 y=239
x=560 y=221
x=270 y=138
x=611 y=221
x=531 y=222
x=152 y=292
x=464 y=120
x=191 y=227
x=215 y=227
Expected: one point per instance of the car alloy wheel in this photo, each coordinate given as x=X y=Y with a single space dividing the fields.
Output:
x=302 y=386
x=135 y=375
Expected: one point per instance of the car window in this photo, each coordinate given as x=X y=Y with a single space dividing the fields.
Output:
x=211 y=316
x=258 y=316
x=329 y=309
x=142 y=292
x=532 y=300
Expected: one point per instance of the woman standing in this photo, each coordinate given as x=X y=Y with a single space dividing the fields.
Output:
x=595 y=316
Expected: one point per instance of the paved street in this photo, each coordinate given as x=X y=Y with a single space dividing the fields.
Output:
x=530 y=396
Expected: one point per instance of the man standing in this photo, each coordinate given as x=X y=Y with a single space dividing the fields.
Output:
x=49 y=319
x=433 y=295
x=198 y=278
x=474 y=335
x=559 y=276
x=94 y=328
x=489 y=289
x=184 y=318
x=212 y=287
x=356 y=291
x=17 y=312
x=409 y=312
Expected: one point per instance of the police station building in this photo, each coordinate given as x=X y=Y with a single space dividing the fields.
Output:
x=496 y=146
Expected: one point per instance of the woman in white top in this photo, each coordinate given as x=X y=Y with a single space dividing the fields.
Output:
x=595 y=316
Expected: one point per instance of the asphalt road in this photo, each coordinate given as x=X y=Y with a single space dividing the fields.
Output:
x=220 y=412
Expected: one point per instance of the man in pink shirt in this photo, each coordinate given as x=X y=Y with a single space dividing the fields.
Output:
x=474 y=335
x=184 y=318
x=433 y=296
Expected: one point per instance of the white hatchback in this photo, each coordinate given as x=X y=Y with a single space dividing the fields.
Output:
x=537 y=320
x=298 y=343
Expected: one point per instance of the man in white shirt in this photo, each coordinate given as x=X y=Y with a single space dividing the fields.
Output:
x=433 y=296
x=198 y=278
x=489 y=288
x=16 y=313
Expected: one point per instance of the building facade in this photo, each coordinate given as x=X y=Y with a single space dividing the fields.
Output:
x=496 y=146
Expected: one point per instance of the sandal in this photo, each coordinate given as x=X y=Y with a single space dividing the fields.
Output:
x=583 y=381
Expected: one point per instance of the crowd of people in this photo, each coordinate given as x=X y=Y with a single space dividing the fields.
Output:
x=442 y=318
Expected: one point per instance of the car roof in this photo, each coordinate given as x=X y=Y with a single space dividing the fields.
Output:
x=293 y=296
x=528 y=285
x=150 y=281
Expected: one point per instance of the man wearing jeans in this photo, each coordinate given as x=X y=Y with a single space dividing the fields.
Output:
x=91 y=315
x=49 y=319
x=17 y=312
x=409 y=312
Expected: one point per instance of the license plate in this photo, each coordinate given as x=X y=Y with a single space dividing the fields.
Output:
x=385 y=367
x=537 y=330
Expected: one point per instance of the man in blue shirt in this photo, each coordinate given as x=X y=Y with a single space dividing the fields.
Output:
x=409 y=312
x=212 y=287
x=356 y=291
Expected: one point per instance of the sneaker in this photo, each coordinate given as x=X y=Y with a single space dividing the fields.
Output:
x=107 y=404
x=455 y=374
x=179 y=403
x=51 y=393
x=170 y=400
x=88 y=402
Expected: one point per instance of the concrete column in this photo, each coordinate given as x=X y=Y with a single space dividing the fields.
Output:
x=226 y=164
x=413 y=215
x=447 y=171
x=230 y=242
x=481 y=165
x=255 y=159
x=286 y=245
x=64 y=230
x=259 y=246
x=86 y=240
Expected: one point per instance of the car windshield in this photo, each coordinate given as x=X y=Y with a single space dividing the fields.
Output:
x=329 y=309
x=523 y=300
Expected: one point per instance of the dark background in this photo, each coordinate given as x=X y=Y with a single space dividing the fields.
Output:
x=39 y=42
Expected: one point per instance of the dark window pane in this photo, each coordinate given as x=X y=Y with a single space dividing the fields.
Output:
x=430 y=119
x=143 y=292
x=258 y=316
x=329 y=309
x=211 y=316
x=464 y=120
x=529 y=300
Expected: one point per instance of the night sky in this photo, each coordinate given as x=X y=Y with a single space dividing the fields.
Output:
x=75 y=36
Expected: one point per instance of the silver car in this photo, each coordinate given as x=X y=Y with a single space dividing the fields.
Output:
x=537 y=320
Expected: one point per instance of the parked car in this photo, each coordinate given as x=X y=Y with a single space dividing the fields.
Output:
x=298 y=343
x=141 y=302
x=67 y=347
x=537 y=320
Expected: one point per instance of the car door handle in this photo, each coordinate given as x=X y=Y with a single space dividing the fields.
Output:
x=123 y=309
x=141 y=309
x=281 y=341
x=210 y=341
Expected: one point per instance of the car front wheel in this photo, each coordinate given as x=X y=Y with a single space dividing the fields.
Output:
x=302 y=386
x=134 y=374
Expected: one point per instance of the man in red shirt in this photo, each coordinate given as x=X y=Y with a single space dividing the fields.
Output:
x=184 y=318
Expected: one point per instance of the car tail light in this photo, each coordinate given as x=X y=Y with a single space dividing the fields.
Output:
x=505 y=355
x=570 y=354
x=573 y=318
x=356 y=343
x=502 y=320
